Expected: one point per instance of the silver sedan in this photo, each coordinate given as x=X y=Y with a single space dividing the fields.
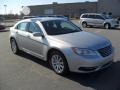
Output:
x=64 y=45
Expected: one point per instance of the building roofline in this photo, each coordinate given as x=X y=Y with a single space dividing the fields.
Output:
x=64 y=3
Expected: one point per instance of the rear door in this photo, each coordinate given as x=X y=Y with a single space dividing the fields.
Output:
x=22 y=35
x=91 y=20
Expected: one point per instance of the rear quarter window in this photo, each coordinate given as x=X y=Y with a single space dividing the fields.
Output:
x=85 y=16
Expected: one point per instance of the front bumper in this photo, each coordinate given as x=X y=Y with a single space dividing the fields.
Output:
x=88 y=64
x=115 y=25
x=96 y=68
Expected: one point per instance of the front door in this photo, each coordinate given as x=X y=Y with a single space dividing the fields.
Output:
x=99 y=20
x=35 y=43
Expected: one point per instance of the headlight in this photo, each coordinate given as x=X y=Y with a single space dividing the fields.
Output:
x=83 y=52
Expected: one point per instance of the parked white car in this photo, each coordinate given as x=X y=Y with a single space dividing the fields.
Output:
x=94 y=19
x=64 y=45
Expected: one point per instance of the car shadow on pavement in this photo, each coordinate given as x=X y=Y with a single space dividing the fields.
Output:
x=34 y=59
x=108 y=79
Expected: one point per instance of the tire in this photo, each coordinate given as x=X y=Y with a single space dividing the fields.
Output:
x=58 y=63
x=84 y=24
x=107 y=26
x=14 y=46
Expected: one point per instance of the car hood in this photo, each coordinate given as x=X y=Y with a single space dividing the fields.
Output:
x=82 y=40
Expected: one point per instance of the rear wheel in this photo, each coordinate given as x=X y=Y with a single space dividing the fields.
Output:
x=84 y=24
x=58 y=63
x=14 y=46
x=107 y=26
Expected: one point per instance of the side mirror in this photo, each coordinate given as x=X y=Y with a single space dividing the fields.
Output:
x=38 y=34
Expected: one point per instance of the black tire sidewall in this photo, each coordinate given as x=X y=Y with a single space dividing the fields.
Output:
x=17 y=50
x=84 y=23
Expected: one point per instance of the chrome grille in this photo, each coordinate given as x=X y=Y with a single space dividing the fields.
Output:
x=106 y=51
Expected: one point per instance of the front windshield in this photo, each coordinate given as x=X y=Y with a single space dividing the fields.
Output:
x=57 y=27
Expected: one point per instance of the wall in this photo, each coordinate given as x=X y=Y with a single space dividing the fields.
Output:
x=69 y=9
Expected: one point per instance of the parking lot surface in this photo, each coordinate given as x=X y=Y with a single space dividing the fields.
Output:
x=25 y=72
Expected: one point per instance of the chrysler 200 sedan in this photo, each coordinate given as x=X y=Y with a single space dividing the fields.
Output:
x=64 y=45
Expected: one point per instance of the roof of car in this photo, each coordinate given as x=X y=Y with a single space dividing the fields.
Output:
x=42 y=19
x=91 y=14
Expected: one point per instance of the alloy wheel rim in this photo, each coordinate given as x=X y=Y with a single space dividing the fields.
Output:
x=107 y=26
x=57 y=63
x=84 y=25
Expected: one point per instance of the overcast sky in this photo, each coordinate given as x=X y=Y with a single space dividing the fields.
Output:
x=13 y=6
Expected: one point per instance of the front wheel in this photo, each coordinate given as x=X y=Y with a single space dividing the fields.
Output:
x=58 y=63
x=107 y=26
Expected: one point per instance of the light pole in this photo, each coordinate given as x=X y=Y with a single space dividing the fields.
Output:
x=5 y=9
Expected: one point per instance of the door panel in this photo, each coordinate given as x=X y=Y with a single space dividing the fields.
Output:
x=35 y=44
x=22 y=39
x=91 y=20
x=99 y=22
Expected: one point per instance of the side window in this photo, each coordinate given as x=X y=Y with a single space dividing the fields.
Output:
x=91 y=16
x=98 y=17
x=22 y=26
x=33 y=27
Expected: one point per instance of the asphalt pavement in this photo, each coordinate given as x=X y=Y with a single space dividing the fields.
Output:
x=25 y=72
